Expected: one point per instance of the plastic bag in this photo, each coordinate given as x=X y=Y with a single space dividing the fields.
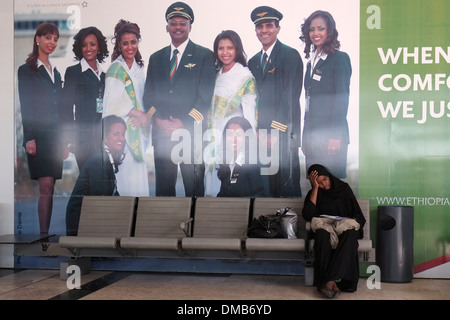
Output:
x=289 y=223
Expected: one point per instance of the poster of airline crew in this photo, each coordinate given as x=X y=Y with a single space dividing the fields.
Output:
x=210 y=19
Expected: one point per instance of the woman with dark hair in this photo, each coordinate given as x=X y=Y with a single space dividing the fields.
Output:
x=82 y=97
x=336 y=261
x=239 y=171
x=325 y=136
x=98 y=175
x=40 y=84
x=122 y=28
x=240 y=55
x=124 y=89
x=234 y=95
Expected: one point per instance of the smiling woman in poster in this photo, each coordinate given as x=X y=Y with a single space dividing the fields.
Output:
x=84 y=84
x=124 y=88
x=234 y=95
x=325 y=136
x=98 y=175
x=39 y=87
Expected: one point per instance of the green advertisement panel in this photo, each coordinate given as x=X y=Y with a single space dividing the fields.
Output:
x=405 y=117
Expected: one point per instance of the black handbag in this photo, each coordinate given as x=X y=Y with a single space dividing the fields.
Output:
x=267 y=226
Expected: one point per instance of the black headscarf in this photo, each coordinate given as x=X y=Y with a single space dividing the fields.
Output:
x=339 y=200
x=338 y=187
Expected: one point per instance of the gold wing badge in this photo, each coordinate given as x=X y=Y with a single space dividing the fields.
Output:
x=190 y=65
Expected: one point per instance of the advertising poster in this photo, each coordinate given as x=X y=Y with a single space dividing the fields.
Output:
x=404 y=113
x=391 y=122
x=211 y=18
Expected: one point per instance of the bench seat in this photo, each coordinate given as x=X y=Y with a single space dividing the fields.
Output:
x=200 y=243
x=219 y=228
x=149 y=243
x=103 y=221
x=253 y=244
x=161 y=222
x=89 y=242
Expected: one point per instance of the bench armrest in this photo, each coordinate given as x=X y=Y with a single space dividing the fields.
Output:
x=308 y=240
x=185 y=226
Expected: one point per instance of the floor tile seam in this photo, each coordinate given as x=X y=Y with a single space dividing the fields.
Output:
x=92 y=286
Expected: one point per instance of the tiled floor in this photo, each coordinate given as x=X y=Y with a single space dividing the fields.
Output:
x=102 y=285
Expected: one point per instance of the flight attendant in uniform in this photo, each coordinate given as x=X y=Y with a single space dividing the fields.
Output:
x=40 y=85
x=327 y=87
x=84 y=84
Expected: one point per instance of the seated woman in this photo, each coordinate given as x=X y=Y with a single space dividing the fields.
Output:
x=239 y=172
x=336 y=261
x=98 y=175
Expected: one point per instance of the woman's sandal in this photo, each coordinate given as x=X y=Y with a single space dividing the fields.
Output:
x=329 y=293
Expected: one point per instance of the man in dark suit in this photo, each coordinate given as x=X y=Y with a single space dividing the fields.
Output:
x=279 y=79
x=178 y=97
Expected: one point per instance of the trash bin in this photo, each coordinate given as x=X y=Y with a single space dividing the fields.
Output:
x=395 y=243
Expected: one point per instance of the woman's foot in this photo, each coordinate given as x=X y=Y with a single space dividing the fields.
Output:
x=335 y=288
x=328 y=289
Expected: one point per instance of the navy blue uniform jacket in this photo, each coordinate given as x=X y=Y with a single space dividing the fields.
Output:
x=192 y=85
x=82 y=90
x=328 y=103
x=279 y=90
x=245 y=182
x=41 y=119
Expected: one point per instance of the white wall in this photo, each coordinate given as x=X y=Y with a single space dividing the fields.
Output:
x=7 y=131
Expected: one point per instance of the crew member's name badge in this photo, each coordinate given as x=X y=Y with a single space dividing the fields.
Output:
x=99 y=105
x=316 y=77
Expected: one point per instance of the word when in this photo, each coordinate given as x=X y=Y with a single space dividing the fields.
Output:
x=422 y=55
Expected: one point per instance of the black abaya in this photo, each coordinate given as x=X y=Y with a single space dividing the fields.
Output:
x=340 y=264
